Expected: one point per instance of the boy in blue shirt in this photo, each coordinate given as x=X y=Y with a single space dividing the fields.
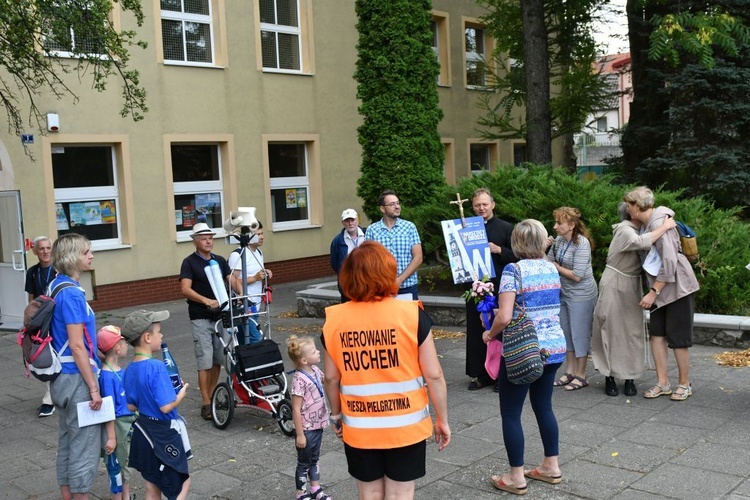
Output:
x=113 y=345
x=159 y=448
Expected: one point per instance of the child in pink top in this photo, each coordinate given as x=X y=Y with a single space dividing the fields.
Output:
x=310 y=415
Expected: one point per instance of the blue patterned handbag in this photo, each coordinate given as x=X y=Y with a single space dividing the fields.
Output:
x=521 y=352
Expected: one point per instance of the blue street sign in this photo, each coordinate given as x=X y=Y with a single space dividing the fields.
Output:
x=27 y=138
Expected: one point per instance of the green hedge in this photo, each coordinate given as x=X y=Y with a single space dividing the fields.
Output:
x=534 y=192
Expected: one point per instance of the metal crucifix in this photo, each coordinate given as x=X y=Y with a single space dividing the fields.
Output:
x=458 y=201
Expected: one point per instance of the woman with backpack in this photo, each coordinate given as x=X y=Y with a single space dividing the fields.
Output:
x=74 y=338
x=671 y=297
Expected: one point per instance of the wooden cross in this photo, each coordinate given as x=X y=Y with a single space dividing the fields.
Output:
x=460 y=204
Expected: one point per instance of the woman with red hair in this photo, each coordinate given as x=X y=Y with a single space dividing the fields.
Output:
x=380 y=357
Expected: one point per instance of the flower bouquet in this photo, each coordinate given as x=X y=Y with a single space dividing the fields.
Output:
x=482 y=293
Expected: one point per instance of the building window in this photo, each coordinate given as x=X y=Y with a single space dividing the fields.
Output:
x=601 y=124
x=441 y=46
x=198 y=190
x=480 y=158
x=65 y=41
x=519 y=153
x=284 y=36
x=449 y=164
x=482 y=155
x=477 y=49
x=187 y=31
x=290 y=182
x=87 y=199
x=293 y=180
x=280 y=34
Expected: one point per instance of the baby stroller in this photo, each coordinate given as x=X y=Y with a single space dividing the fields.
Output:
x=255 y=372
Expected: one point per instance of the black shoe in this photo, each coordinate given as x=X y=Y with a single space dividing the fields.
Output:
x=496 y=387
x=610 y=387
x=45 y=410
x=629 y=389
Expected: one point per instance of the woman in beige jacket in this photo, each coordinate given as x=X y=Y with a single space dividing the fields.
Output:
x=618 y=341
x=671 y=297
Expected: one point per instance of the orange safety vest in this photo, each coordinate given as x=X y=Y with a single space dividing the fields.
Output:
x=383 y=395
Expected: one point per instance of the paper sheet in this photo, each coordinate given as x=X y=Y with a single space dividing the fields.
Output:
x=87 y=416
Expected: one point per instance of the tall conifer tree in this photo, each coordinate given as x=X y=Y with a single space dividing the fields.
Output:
x=397 y=84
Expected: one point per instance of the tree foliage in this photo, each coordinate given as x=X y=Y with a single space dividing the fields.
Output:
x=42 y=41
x=571 y=52
x=689 y=117
x=534 y=192
x=397 y=73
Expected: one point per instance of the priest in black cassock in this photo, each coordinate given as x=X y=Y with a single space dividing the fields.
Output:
x=498 y=234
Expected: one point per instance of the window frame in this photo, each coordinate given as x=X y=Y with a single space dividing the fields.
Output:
x=515 y=162
x=449 y=164
x=473 y=56
x=305 y=34
x=186 y=17
x=225 y=185
x=217 y=11
x=493 y=148
x=312 y=181
x=122 y=189
x=442 y=50
x=114 y=18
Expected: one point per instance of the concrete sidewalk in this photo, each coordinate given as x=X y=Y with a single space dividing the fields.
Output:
x=625 y=448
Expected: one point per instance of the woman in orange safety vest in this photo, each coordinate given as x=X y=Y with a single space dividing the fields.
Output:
x=380 y=358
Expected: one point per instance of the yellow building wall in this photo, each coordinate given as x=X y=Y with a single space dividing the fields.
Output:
x=239 y=105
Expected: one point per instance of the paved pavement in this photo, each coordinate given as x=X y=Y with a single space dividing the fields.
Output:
x=623 y=448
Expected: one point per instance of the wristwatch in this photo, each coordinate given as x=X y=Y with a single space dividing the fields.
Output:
x=657 y=292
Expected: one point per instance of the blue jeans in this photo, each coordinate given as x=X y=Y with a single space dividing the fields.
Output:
x=249 y=333
x=410 y=289
x=512 y=397
x=307 y=459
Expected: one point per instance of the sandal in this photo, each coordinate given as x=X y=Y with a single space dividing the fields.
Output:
x=564 y=380
x=320 y=495
x=206 y=412
x=658 y=390
x=540 y=476
x=682 y=392
x=516 y=489
x=573 y=386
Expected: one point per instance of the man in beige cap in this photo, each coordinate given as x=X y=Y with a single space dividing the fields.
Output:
x=347 y=240
x=204 y=311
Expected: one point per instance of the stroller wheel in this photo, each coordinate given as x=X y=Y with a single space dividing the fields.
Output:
x=222 y=405
x=284 y=417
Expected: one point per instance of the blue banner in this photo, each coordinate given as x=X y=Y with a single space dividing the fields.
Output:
x=468 y=250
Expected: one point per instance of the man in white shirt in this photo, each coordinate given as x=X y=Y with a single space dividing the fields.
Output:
x=256 y=276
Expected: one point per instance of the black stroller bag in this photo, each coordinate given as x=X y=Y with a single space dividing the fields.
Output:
x=259 y=360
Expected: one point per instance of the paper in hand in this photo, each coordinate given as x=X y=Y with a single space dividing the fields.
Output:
x=87 y=416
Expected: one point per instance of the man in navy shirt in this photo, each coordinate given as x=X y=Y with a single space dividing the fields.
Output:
x=204 y=310
x=38 y=277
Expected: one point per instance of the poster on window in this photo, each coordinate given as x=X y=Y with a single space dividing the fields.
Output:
x=108 y=211
x=468 y=250
x=92 y=212
x=291 y=198
x=188 y=216
x=77 y=214
x=207 y=204
x=61 y=218
x=301 y=198
x=178 y=217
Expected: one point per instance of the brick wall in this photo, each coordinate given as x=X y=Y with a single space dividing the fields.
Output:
x=133 y=293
